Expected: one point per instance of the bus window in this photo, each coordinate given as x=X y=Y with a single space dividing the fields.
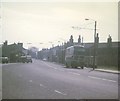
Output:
x=79 y=51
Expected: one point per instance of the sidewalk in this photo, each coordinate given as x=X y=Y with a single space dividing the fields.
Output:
x=108 y=71
x=100 y=70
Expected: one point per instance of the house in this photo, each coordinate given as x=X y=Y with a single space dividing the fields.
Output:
x=13 y=51
x=106 y=52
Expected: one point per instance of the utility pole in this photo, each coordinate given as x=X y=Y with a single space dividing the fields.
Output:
x=94 y=52
x=94 y=56
x=94 y=46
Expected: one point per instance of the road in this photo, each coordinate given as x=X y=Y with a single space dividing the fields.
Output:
x=46 y=80
x=0 y=81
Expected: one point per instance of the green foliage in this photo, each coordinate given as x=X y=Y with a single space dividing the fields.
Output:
x=13 y=52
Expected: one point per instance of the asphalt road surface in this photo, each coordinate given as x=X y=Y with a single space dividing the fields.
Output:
x=46 y=80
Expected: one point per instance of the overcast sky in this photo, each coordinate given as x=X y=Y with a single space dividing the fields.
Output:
x=45 y=22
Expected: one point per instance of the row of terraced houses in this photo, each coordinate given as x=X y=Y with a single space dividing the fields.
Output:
x=107 y=52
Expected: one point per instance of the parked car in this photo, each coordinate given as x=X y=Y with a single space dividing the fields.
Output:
x=4 y=59
x=26 y=58
x=29 y=59
x=44 y=59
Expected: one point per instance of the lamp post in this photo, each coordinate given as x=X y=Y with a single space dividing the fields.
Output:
x=51 y=44
x=28 y=52
x=40 y=45
x=51 y=50
x=94 y=53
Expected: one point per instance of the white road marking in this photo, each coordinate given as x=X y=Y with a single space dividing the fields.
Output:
x=59 y=92
x=109 y=80
x=50 y=66
x=9 y=64
x=79 y=74
x=41 y=85
x=53 y=67
x=94 y=77
x=101 y=78
x=61 y=70
x=20 y=75
x=30 y=81
x=74 y=73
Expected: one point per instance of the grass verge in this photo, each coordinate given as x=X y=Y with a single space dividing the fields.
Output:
x=108 y=67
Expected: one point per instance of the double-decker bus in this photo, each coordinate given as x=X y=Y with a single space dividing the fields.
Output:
x=74 y=56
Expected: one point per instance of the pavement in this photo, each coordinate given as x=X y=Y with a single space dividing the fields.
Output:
x=108 y=71
x=100 y=70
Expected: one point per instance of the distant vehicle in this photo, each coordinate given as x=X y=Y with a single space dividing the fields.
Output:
x=44 y=59
x=26 y=58
x=74 y=56
x=29 y=59
x=4 y=59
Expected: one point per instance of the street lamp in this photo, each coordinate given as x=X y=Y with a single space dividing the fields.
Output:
x=40 y=45
x=52 y=44
x=28 y=52
x=94 y=42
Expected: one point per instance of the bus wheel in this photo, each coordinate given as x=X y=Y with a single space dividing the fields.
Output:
x=73 y=66
x=76 y=66
x=95 y=66
x=67 y=65
x=82 y=67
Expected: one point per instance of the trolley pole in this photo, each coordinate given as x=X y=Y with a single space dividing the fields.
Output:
x=94 y=44
x=94 y=55
x=94 y=52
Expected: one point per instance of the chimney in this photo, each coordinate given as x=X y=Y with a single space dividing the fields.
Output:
x=20 y=44
x=79 y=40
x=6 y=43
x=82 y=40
